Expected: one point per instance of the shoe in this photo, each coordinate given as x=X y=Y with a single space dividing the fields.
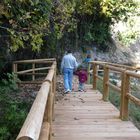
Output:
x=67 y=91
x=81 y=90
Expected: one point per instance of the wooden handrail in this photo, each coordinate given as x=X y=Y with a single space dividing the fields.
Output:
x=37 y=125
x=133 y=74
x=125 y=72
x=114 y=87
x=116 y=65
x=30 y=70
x=49 y=60
x=51 y=71
x=32 y=125
x=123 y=66
x=99 y=77
x=134 y=99
x=31 y=73
x=45 y=131
x=115 y=68
x=94 y=76
x=105 y=81
x=33 y=70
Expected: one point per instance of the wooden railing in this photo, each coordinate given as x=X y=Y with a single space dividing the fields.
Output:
x=37 y=125
x=34 y=70
x=125 y=73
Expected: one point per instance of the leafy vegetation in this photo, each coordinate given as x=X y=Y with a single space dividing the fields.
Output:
x=13 y=109
x=28 y=22
x=33 y=29
x=129 y=31
x=45 y=28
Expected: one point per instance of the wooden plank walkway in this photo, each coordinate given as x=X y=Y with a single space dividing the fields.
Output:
x=84 y=116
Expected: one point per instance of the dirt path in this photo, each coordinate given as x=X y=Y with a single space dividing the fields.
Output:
x=29 y=91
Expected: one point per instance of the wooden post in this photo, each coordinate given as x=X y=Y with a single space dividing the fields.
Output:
x=105 y=83
x=48 y=115
x=94 y=76
x=88 y=70
x=15 y=71
x=15 y=67
x=54 y=91
x=39 y=120
x=45 y=131
x=124 y=100
x=49 y=111
x=32 y=125
x=33 y=73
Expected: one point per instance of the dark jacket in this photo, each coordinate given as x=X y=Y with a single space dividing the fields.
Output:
x=82 y=75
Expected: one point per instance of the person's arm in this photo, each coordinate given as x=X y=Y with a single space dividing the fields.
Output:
x=75 y=64
x=62 y=65
x=84 y=61
x=76 y=72
x=86 y=75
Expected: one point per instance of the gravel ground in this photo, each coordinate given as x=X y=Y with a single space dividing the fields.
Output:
x=29 y=91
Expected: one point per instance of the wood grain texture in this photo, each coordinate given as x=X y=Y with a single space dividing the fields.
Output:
x=85 y=116
x=33 y=123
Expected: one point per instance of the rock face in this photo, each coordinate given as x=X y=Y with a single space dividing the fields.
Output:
x=126 y=55
x=119 y=54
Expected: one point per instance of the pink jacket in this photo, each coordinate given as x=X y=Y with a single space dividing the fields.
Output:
x=82 y=75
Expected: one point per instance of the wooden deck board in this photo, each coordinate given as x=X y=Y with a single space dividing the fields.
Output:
x=85 y=116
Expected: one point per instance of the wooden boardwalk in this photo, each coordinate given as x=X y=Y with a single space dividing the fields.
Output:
x=85 y=116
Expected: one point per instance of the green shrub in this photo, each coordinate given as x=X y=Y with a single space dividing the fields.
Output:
x=4 y=134
x=13 y=109
x=11 y=81
x=113 y=95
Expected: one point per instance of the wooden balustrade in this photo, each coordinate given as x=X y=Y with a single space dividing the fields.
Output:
x=37 y=125
x=49 y=60
x=94 y=76
x=33 y=123
x=125 y=72
x=105 y=83
x=33 y=71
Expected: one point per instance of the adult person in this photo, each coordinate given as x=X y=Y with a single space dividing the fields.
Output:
x=68 y=65
x=87 y=60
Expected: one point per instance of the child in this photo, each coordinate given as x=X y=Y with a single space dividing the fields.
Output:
x=82 y=76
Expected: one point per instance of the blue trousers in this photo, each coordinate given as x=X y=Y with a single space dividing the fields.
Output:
x=68 y=77
x=81 y=86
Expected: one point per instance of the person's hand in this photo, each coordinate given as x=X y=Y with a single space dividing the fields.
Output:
x=61 y=72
